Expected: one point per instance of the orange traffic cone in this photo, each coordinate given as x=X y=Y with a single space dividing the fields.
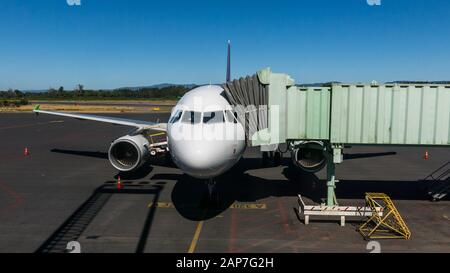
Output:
x=26 y=152
x=119 y=183
x=426 y=156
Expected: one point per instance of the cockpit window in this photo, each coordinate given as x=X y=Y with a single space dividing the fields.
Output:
x=176 y=117
x=191 y=117
x=230 y=117
x=213 y=117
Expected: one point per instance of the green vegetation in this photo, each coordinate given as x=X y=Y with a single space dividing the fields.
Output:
x=13 y=103
x=79 y=93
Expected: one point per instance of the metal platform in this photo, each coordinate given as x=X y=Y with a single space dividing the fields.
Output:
x=342 y=211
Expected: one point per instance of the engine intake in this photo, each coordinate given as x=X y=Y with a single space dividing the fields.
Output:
x=309 y=156
x=128 y=153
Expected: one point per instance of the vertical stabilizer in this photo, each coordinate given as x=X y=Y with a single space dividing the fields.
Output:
x=229 y=62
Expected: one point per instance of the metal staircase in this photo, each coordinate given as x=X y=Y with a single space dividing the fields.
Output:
x=388 y=226
x=439 y=186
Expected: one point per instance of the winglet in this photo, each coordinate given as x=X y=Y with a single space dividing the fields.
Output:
x=36 y=108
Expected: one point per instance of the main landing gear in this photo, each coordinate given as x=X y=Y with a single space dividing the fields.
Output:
x=271 y=158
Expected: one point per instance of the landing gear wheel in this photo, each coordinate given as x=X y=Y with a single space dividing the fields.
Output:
x=277 y=158
x=168 y=159
x=271 y=158
x=265 y=158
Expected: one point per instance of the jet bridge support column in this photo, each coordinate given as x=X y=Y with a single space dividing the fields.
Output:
x=334 y=156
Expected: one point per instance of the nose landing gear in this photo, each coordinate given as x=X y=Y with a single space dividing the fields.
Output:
x=212 y=199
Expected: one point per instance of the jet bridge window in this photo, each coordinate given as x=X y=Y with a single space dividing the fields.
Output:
x=191 y=117
x=213 y=117
x=176 y=117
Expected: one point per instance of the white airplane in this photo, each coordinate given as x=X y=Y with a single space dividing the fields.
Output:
x=190 y=134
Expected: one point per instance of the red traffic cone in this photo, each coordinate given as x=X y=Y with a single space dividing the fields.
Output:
x=426 y=156
x=119 y=183
x=26 y=152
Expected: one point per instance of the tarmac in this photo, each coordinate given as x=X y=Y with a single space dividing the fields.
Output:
x=65 y=190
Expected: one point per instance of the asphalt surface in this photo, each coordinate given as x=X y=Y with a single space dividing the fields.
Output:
x=65 y=190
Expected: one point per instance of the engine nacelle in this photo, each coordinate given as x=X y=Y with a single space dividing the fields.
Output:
x=309 y=156
x=128 y=153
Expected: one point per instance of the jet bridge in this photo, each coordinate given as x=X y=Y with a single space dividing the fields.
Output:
x=342 y=114
x=356 y=114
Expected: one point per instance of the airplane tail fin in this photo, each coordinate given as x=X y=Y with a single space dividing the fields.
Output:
x=229 y=62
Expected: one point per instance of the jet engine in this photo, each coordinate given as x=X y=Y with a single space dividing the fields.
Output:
x=309 y=156
x=128 y=153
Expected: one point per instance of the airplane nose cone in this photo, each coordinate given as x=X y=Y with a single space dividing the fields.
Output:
x=200 y=159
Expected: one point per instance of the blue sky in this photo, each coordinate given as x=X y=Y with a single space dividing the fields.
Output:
x=114 y=43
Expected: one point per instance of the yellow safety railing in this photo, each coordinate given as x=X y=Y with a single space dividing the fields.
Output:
x=389 y=225
x=152 y=136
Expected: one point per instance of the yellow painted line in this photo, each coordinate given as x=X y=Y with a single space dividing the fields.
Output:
x=198 y=230
x=248 y=206
x=170 y=205
x=163 y=205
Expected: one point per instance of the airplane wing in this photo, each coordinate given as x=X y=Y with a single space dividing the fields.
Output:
x=113 y=120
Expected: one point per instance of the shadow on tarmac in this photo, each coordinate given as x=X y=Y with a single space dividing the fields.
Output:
x=81 y=153
x=191 y=198
x=74 y=226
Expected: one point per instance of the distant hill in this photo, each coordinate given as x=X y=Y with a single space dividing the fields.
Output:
x=159 y=86
x=420 y=82
x=325 y=84
x=320 y=84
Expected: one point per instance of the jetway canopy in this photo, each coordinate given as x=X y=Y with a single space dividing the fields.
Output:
x=250 y=98
x=366 y=114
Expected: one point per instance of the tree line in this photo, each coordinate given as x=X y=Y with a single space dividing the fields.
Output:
x=80 y=93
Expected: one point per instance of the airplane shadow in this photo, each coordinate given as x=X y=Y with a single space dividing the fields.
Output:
x=366 y=155
x=190 y=196
x=81 y=153
x=245 y=164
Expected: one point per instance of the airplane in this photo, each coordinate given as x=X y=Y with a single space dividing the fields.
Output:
x=191 y=132
x=202 y=157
